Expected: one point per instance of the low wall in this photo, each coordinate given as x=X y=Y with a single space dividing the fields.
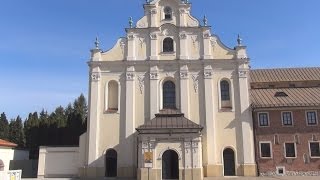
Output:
x=29 y=167
x=58 y=162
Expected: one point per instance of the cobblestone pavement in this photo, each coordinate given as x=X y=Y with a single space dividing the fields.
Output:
x=220 y=178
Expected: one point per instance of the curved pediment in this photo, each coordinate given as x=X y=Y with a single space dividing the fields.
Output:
x=117 y=52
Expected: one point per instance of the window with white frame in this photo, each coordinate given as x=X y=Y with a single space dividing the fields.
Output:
x=113 y=96
x=263 y=119
x=167 y=13
x=265 y=149
x=314 y=149
x=290 y=150
x=169 y=95
x=311 y=117
x=287 y=118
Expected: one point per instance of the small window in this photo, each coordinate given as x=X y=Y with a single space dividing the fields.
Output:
x=167 y=13
x=169 y=95
x=280 y=170
x=287 y=118
x=280 y=94
x=263 y=119
x=225 y=90
x=265 y=149
x=312 y=118
x=314 y=149
x=168 y=45
x=290 y=150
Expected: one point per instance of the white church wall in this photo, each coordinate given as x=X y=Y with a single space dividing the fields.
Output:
x=58 y=162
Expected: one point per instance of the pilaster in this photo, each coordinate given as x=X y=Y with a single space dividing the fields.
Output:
x=207 y=49
x=184 y=91
x=131 y=47
x=183 y=46
x=94 y=115
x=154 y=91
x=154 y=47
x=246 y=118
x=209 y=130
x=130 y=101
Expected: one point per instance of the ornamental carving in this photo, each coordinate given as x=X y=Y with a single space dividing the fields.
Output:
x=184 y=75
x=153 y=36
x=154 y=75
x=153 y=11
x=95 y=76
x=207 y=74
x=195 y=82
x=243 y=73
x=141 y=83
x=183 y=36
x=206 y=35
x=170 y=74
x=130 y=76
x=130 y=36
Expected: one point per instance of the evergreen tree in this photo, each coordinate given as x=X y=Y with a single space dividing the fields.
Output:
x=16 y=133
x=4 y=127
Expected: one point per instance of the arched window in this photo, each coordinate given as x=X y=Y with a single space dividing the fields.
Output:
x=111 y=163
x=167 y=13
x=168 y=45
x=169 y=95
x=113 y=96
x=225 y=90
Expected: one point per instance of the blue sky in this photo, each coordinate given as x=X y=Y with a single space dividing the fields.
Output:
x=44 y=45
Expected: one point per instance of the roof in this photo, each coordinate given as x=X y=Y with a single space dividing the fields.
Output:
x=285 y=75
x=296 y=97
x=5 y=143
x=169 y=119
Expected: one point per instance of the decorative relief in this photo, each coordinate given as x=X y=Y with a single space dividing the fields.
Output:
x=130 y=76
x=207 y=74
x=154 y=75
x=170 y=74
x=195 y=82
x=206 y=35
x=243 y=73
x=122 y=46
x=183 y=36
x=148 y=145
x=153 y=36
x=153 y=11
x=130 y=36
x=184 y=74
x=141 y=83
x=213 y=41
x=95 y=76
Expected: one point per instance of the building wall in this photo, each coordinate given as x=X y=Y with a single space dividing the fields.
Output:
x=7 y=154
x=57 y=162
x=300 y=133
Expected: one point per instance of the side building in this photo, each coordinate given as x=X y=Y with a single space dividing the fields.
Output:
x=286 y=108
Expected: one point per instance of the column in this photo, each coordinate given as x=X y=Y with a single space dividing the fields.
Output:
x=209 y=130
x=184 y=91
x=183 y=46
x=154 y=47
x=154 y=91
x=130 y=101
x=131 y=47
x=94 y=114
x=249 y=166
x=207 y=48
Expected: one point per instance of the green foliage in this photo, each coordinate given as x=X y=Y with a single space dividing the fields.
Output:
x=16 y=134
x=4 y=127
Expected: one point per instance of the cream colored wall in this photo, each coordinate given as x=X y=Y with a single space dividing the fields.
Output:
x=58 y=162
x=6 y=155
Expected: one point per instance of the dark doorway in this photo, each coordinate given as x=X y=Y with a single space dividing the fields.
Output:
x=111 y=163
x=229 y=162
x=170 y=165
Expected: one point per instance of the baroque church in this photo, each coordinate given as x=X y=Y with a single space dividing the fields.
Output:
x=168 y=101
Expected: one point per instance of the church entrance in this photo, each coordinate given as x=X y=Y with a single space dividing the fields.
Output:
x=111 y=163
x=229 y=162
x=170 y=165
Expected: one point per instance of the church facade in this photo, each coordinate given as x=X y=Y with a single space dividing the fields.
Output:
x=168 y=101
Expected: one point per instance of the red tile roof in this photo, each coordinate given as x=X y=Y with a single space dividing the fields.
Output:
x=5 y=143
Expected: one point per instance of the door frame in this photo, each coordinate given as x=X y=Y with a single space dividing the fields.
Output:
x=178 y=159
x=235 y=159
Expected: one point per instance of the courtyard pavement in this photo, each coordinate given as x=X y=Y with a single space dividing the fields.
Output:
x=215 y=178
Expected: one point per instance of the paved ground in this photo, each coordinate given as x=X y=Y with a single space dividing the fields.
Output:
x=225 y=178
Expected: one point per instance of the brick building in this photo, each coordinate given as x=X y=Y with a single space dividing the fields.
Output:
x=286 y=107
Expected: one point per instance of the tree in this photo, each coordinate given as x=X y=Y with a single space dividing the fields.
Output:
x=16 y=134
x=4 y=127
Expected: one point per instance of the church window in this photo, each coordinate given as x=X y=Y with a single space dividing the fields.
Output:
x=225 y=90
x=167 y=13
x=169 y=95
x=113 y=96
x=168 y=45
